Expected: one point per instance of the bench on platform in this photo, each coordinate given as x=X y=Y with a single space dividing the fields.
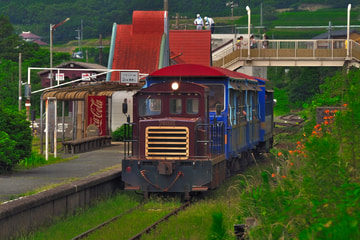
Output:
x=86 y=144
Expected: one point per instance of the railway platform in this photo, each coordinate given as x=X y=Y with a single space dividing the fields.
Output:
x=83 y=165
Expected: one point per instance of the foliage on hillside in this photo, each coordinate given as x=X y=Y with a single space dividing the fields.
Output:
x=98 y=16
x=297 y=86
x=313 y=191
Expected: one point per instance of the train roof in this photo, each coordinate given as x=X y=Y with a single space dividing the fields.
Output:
x=196 y=70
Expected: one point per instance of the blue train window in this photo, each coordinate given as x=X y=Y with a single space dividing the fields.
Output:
x=216 y=96
x=192 y=106
x=175 y=106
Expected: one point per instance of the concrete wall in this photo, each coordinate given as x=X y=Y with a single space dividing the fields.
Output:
x=28 y=213
x=117 y=116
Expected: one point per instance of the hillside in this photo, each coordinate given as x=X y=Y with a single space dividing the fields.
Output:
x=97 y=17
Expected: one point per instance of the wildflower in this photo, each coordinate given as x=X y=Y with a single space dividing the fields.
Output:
x=345 y=105
x=273 y=175
x=290 y=151
x=326 y=123
x=283 y=176
x=279 y=154
x=328 y=224
x=298 y=142
x=327 y=111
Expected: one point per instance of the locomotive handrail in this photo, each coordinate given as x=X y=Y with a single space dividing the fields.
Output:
x=128 y=141
x=201 y=141
x=215 y=138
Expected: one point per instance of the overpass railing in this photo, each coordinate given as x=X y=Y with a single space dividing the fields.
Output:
x=324 y=49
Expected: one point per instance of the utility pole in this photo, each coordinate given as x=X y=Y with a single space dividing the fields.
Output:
x=52 y=28
x=166 y=5
x=100 y=49
x=20 y=82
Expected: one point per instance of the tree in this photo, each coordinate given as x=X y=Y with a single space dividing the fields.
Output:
x=15 y=137
x=6 y=28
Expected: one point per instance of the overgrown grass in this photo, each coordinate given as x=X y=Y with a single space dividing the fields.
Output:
x=131 y=224
x=85 y=219
x=36 y=159
x=313 y=190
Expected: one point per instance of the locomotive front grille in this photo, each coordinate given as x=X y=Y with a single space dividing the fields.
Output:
x=167 y=142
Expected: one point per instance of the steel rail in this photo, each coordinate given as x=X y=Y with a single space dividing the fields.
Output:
x=154 y=225
x=87 y=233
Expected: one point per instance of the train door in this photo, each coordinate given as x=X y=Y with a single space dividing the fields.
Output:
x=242 y=120
x=233 y=128
x=217 y=117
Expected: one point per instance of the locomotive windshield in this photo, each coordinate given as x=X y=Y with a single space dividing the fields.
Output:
x=149 y=106
x=155 y=105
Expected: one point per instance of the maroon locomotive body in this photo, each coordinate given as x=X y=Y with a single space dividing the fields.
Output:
x=190 y=132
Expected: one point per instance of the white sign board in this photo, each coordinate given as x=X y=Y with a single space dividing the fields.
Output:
x=60 y=77
x=129 y=76
x=85 y=76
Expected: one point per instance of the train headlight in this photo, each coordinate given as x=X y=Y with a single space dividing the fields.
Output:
x=175 y=86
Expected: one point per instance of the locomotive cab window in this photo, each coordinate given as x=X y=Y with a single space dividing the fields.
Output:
x=192 y=106
x=149 y=106
x=175 y=106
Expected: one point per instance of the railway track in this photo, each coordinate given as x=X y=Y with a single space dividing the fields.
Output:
x=283 y=123
x=139 y=234
x=153 y=226
x=90 y=231
x=289 y=120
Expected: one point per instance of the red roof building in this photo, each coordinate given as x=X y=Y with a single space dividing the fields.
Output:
x=142 y=45
x=147 y=45
x=30 y=37
x=190 y=46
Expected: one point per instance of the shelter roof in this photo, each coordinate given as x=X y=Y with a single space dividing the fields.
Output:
x=190 y=46
x=80 y=92
x=75 y=64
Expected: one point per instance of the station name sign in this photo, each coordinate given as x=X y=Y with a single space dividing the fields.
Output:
x=129 y=77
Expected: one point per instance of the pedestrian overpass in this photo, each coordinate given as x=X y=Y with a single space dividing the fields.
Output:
x=299 y=53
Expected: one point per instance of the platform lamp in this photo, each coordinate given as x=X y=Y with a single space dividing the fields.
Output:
x=348 y=32
x=52 y=28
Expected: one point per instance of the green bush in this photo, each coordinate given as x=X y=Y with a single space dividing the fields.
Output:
x=122 y=133
x=15 y=137
x=7 y=153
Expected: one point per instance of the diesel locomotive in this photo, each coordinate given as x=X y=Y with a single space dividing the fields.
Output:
x=193 y=126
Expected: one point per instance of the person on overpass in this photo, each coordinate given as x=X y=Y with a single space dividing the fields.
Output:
x=198 y=22
x=209 y=24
